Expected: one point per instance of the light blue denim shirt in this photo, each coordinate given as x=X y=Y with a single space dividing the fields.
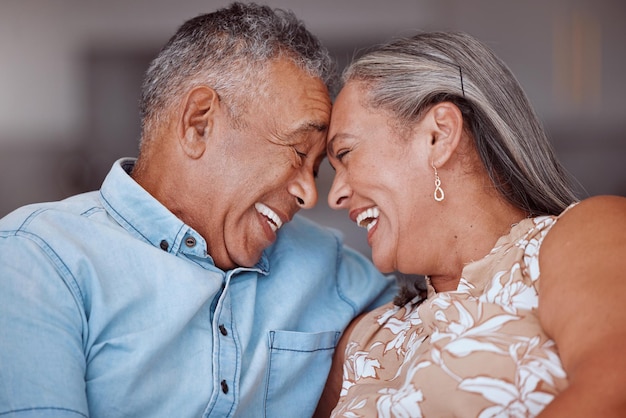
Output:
x=110 y=306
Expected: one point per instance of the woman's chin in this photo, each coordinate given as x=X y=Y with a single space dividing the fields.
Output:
x=382 y=263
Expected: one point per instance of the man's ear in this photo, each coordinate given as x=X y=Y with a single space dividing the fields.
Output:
x=196 y=122
x=445 y=122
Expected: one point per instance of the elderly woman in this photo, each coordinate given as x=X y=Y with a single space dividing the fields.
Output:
x=439 y=154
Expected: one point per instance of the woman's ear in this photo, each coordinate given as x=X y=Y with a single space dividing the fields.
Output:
x=445 y=122
x=198 y=111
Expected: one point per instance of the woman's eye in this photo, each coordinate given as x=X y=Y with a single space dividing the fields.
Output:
x=339 y=156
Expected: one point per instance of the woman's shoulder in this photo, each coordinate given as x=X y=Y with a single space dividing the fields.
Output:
x=594 y=217
x=597 y=207
x=587 y=241
x=582 y=268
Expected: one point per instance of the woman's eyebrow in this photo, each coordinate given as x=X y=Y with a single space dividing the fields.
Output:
x=331 y=141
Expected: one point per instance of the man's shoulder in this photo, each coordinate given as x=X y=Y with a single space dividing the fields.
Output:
x=302 y=228
x=35 y=216
x=305 y=238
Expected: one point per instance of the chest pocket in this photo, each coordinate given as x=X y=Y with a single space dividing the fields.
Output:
x=297 y=372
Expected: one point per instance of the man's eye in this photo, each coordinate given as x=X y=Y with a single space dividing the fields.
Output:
x=301 y=155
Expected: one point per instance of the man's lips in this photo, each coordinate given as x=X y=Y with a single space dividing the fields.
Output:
x=273 y=220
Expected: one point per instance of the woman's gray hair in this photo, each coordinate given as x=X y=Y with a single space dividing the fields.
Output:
x=408 y=76
x=228 y=50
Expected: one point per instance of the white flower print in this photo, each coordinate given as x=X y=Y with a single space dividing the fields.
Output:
x=509 y=400
x=544 y=367
x=382 y=319
x=400 y=328
x=412 y=350
x=357 y=364
x=531 y=258
x=531 y=245
x=400 y=404
x=465 y=286
x=511 y=295
x=353 y=405
x=403 y=402
x=522 y=398
x=466 y=337
x=364 y=366
x=441 y=301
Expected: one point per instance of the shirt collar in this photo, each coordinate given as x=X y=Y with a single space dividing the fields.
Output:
x=146 y=218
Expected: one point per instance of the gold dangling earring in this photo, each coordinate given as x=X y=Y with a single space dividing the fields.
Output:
x=439 y=195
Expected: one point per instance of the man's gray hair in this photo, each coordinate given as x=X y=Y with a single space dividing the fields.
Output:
x=408 y=76
x=228 y=50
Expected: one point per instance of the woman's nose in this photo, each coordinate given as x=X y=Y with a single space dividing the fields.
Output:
x=339 y=193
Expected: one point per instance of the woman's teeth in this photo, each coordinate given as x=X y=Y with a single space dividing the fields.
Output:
x=368 y=218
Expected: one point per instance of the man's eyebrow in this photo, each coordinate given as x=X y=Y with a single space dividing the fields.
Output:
x=312 y=126
x=305 y=128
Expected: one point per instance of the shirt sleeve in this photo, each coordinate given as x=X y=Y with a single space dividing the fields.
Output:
x=42 y=361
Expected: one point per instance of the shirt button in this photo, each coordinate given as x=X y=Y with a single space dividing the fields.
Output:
x=164 y=245
x=224 y=387
x=223 y=330
x=190 y=242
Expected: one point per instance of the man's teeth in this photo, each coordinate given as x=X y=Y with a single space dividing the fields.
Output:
x=368 y=218
x=274 y=221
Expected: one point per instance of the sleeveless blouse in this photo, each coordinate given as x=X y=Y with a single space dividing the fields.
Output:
x=478 y=351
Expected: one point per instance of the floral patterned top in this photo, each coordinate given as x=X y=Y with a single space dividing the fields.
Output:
x=478 y=351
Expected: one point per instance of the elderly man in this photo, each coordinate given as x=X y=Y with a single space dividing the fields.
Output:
x=187 y=286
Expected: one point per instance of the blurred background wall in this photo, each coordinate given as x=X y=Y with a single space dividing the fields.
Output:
x=70 y=72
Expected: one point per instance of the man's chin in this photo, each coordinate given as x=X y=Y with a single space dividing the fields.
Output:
x=249 y=259
x=245 y=250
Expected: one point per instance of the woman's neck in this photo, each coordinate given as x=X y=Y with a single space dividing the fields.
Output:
x=471 y=238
